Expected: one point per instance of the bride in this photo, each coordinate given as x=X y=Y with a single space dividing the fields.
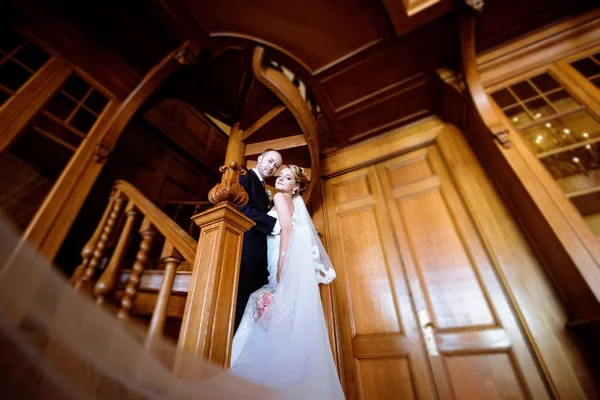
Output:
x=282 y=339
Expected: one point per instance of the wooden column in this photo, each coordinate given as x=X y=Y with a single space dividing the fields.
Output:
x=236 y=148
x=207 y=326
x=159 y=315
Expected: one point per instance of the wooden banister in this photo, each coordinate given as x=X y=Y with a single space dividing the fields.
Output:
x=107 y=282
x=290 y=96
x=172 y=232
x=475 y=86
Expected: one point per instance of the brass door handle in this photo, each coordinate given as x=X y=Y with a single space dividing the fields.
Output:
x=427 y=327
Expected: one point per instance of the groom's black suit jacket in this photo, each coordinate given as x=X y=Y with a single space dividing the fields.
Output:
x=255 y=240
x=253 y=268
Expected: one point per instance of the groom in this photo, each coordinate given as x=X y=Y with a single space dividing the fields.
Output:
x=253 y=269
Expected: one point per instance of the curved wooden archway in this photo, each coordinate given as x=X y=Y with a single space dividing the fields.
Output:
x=289 y=95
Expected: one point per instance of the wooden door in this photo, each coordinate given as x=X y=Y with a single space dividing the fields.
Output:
x=420 y=309
x=381 y=352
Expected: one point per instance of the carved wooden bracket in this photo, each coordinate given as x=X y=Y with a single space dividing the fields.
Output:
x=479 y=96
x=101 y=152
x=185 y=55
x=229 y=189
x=475 y=5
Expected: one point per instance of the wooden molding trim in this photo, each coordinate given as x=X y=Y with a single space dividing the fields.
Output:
x=289 y=142
x=289 y=95
x=391 y=144
x=474 y=84
x=263 y=121
x=537 y=50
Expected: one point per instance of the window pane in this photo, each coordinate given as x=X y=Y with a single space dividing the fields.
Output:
x=504 y=98
x=58 y=131
x=581 y=126
x=574 y=170
x=76 y=87
x=561 y=132
x=34 y=149
x=12 y=75
x=96 y=101
x=3 y=97
x=587 y=67
x=83 y=120
x=518 y=116
x=60 y=106
x=539 y=108
x=524 y=90
x=32 y=56
x=545 y=82
x=562 y=100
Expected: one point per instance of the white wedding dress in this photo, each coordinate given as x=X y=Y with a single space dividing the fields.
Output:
x=288 y=345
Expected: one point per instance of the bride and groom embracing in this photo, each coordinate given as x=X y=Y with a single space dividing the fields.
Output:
x=281 y=338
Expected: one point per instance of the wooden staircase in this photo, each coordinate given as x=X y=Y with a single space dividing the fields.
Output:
x=152 y=262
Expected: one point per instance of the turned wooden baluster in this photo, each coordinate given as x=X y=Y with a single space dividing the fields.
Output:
x=107 y=283
x=100 y=245
x=172 y=260
x=141 y=259
x=88 y=249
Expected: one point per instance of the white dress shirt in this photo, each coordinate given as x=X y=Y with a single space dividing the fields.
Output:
x=277 y=227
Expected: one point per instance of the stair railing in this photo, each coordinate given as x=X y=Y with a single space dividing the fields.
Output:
x=127 y=209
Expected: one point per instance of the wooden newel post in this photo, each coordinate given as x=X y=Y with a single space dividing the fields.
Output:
x=207 y=326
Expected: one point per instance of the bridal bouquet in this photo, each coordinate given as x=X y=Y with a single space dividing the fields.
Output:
x=261 y=301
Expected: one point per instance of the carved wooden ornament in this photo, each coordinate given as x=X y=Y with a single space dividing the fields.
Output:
x=229 y=189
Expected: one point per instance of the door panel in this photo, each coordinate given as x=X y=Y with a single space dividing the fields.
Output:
x=420 y=309
x=382 y=355
x=484 y=377
x=386 y=378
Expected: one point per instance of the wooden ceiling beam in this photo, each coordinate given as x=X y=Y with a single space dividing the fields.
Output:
x=285 y=143
x=262 y=121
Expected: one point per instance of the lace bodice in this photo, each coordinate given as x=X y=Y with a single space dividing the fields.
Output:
x=273 y=245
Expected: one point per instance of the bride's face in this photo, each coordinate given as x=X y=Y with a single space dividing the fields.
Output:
x=285 y=182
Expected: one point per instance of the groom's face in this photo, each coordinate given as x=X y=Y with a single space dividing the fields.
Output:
x=268 y=163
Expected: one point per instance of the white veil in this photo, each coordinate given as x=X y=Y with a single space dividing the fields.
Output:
x=57 y=344
x=290 y=346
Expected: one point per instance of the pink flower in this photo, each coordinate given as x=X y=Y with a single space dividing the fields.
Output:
x=260 y=302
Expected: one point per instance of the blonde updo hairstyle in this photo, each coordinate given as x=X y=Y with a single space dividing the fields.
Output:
x=301 y=178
